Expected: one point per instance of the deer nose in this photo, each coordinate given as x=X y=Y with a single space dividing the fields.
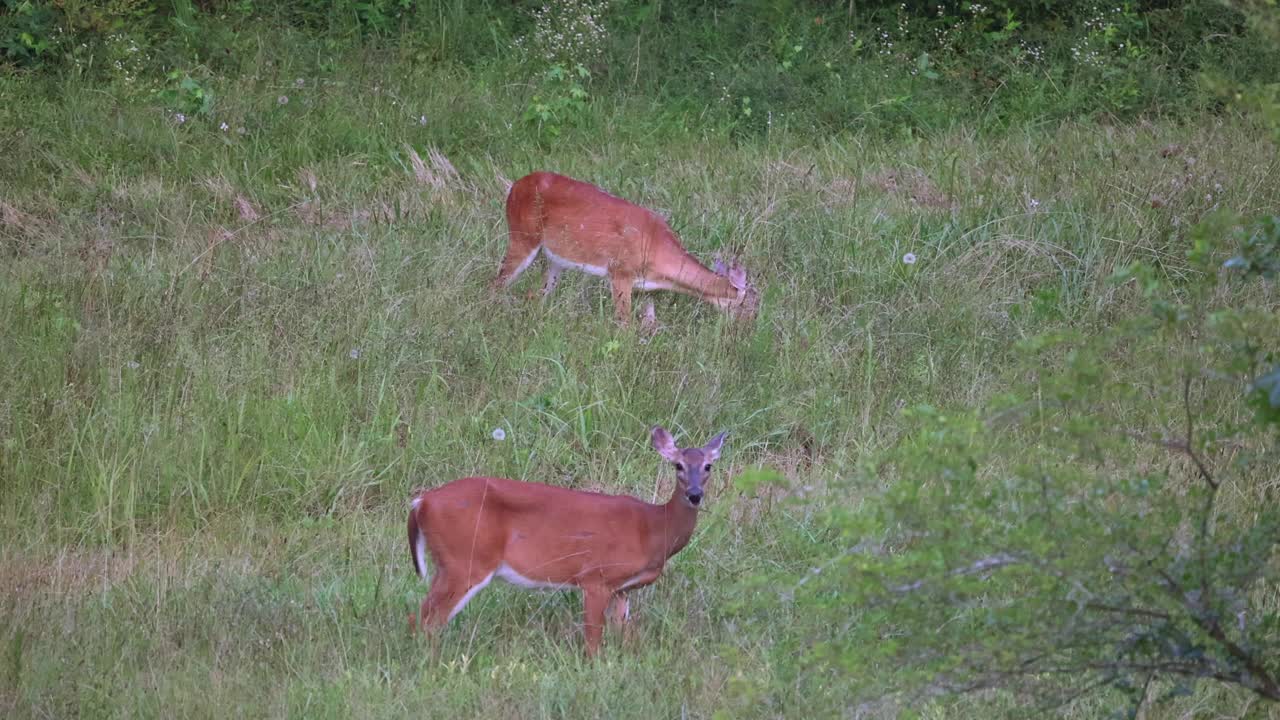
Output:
x=695 y=497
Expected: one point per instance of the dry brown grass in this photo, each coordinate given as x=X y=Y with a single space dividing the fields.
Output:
x=65 y=572
x=911 y=183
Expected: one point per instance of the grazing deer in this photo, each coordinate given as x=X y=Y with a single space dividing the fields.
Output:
x=539 y=536
x=578 y=225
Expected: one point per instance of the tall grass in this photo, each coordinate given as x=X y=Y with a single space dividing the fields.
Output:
x=231 y=357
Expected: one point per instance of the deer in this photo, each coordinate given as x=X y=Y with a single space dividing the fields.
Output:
x=578 y=225
x=539 y=536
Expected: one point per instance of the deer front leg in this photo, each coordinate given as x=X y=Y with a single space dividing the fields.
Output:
x=621 y=283
x=594 y=602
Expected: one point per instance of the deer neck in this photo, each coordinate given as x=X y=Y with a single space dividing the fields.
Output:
x=675 y=523
x=696 y=279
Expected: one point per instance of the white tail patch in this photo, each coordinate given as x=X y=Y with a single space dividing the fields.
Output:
x=420 y=545
x=420 y=550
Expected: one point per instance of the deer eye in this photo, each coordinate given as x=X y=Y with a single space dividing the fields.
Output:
x=706 y=468
x=680 y=467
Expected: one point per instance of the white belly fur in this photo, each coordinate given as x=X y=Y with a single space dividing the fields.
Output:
x=506 y=572
x=589 y=269
x=598 y=271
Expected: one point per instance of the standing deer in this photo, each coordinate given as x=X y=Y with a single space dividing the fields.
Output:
x=539 y=536
x=578 y=225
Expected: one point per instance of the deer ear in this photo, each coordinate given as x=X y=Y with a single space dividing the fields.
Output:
x=738 y=277
x=718 y=267
x=664 y=444
x=711 y=451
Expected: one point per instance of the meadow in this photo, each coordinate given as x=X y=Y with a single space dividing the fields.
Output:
x=236 y=342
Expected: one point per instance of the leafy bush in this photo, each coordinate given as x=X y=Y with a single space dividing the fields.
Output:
x=561 y=100
x=746 y=66
x=1108 y=525
x=26 y=32
x=184 y=95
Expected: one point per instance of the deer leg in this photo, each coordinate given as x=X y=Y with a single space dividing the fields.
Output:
x=621 y=285
x=428 y=615
x=441 y=597
x=619 y=615
x=552 y=276
x=521 y=251
x=619 y=611
x=595 y=600
x=447 y=598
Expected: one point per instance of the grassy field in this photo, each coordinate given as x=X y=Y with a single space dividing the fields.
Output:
x=233 y=352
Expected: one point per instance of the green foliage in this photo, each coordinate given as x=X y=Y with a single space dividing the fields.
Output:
x=26 y=31
x=354 y=17
x=1265 y=395
x=185 y=95
x=751 y=480
x=560 y=101
x=245 y=319
x=887 y=66
x=1072 y=535
x=1259 y=253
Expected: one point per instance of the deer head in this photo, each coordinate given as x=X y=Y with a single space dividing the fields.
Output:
x=748 y=297
x=693 y=465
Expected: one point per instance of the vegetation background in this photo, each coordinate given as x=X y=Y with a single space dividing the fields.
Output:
x=1002 y=439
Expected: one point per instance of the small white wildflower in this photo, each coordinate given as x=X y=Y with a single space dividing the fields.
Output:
x=354 y=354
x=909 y=259
x=1032 y=204
x=299 y=82
x=133 y=364
x=282 y=100
x=422 y=120
x=499 y=434
x=179 y=118
x=224 y=127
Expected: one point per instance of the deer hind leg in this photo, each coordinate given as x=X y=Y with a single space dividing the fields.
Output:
x=521 y=251
x=621 y=285
x=619 y=611
x=447 y=597
x=619 y=615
